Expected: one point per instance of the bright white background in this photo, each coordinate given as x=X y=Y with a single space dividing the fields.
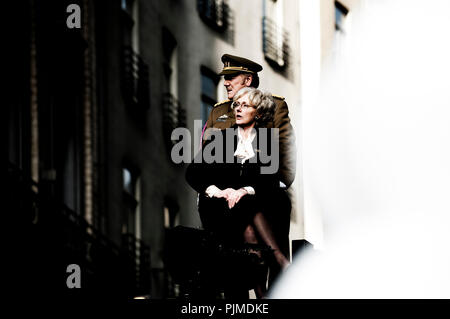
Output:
x=377 y=159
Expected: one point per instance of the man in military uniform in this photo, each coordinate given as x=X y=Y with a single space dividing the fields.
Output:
x=239 y=72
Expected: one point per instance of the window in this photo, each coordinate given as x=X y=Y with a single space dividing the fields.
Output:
x=214 y=13
x=341 y=24
x=171 y=212
x=127 y=6
x=174 y=115
x=170 y=63
x=131 y=220
x=209 y=92
x=275 y=37
x=340 y=13
x=135 y=77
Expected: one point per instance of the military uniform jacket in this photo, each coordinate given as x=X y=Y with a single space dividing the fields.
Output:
x=222 y=117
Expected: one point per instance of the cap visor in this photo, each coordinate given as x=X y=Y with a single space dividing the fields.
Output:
x=225 y=72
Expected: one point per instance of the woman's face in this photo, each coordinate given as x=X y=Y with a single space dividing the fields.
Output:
x=244 y=112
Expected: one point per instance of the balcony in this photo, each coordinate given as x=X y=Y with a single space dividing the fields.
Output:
x=214 y=13
x=174 y=116
x=135 y=80
x=275 y=44
x=50 y=236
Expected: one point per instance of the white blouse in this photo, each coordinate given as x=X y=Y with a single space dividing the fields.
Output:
x=244 y=149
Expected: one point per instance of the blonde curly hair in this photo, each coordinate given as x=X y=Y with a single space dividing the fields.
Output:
x=262 y=101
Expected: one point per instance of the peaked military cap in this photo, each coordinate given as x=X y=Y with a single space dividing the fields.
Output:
x=235 y=64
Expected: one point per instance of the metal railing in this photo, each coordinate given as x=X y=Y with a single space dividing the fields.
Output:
x=51 y=236
x=135 y=79
x=215 y=13
x=275 y=43
x=174 y=115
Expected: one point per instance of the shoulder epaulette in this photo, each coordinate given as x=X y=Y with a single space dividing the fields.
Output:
x=221 y=103
x=278 y=97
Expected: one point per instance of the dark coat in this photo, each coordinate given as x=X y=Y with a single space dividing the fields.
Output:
x=222 y=117
x=214 y=212
x=232 y=175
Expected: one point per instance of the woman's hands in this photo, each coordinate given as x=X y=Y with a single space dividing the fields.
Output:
x=232 y=196
x=235 y=196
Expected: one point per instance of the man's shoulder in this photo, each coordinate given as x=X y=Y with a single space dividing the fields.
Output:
x=225 y=102
x=278 y=97
x=280 y=102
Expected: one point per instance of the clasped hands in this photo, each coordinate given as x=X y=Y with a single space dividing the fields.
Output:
x=231 y=195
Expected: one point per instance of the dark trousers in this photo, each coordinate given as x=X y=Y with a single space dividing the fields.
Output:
x=229 y=225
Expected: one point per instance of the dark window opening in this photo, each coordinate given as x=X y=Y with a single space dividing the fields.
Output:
x=214 y=13
x=131 y=200
x=209 y=91
x=340 y=11
x=174 y=115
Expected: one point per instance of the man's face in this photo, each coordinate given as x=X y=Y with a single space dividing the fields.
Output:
x=234 y=82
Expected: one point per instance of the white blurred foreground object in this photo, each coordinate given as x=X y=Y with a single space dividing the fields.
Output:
x=381 y=157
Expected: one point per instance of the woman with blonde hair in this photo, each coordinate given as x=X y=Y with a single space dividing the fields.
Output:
x=233 y=195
